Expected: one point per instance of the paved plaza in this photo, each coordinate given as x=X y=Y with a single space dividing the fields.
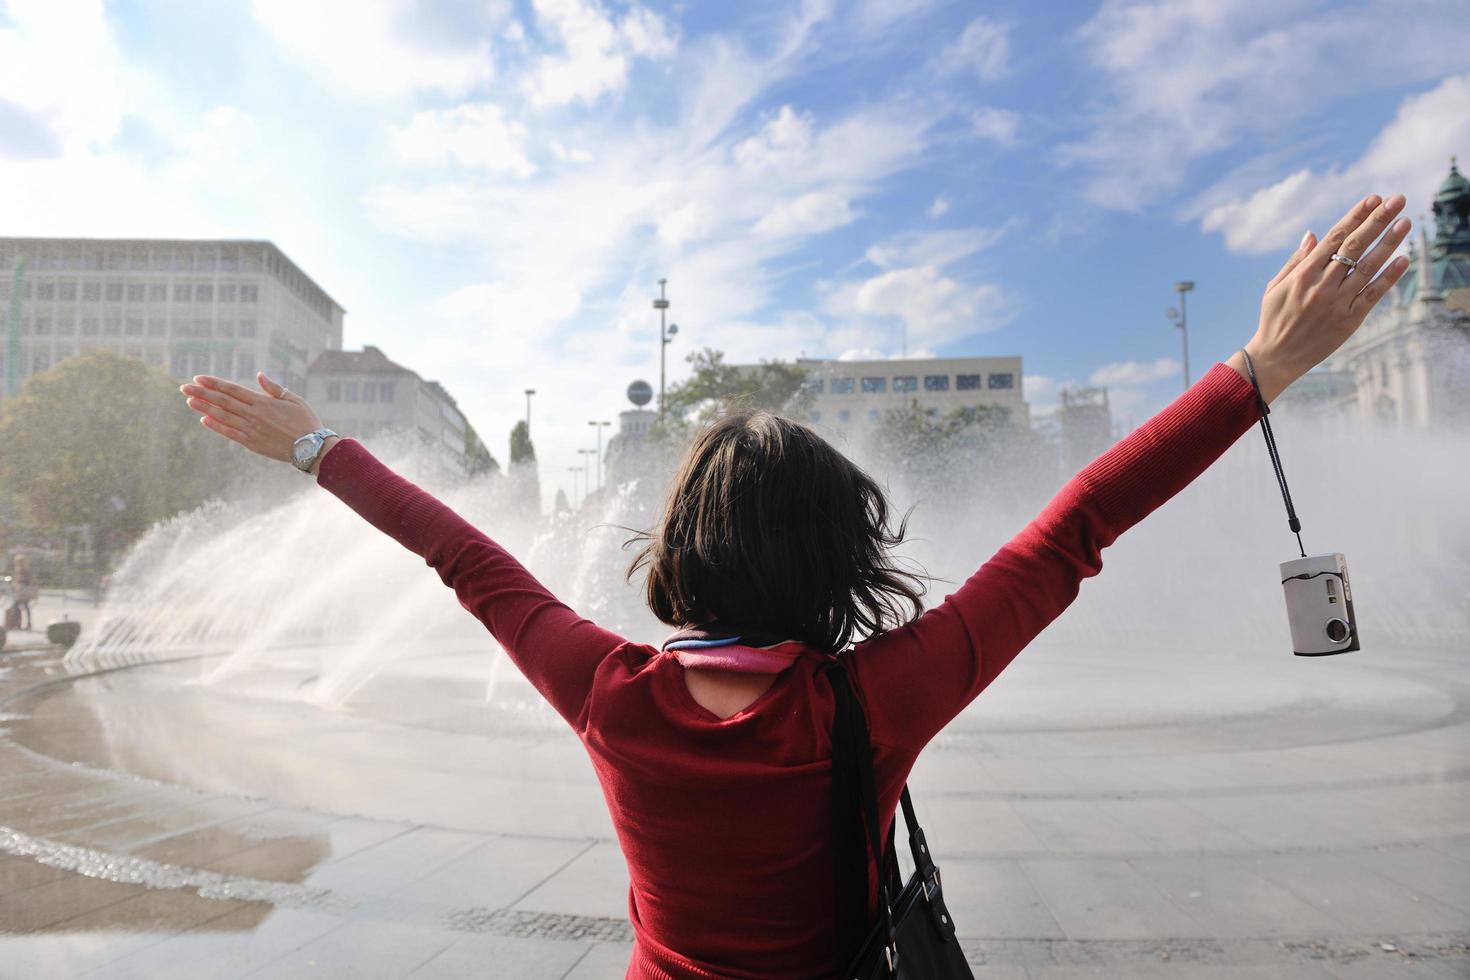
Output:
x=1156 y=815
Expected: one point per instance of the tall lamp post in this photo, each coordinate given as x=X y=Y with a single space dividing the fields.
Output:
x=1181 y=320
x=586 y=455
x=665 y=335
x=599 y=427
x=529 y=393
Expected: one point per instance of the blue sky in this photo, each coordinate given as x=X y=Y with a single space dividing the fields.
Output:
x=493 y=189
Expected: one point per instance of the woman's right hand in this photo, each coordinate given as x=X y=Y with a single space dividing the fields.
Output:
x=267 y=422
x=1314 y=304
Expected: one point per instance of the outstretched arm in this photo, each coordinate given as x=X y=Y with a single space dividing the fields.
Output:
x=918 y=677
x=556 y=649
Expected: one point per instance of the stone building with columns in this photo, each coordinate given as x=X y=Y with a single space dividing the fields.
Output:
x=1409 y=363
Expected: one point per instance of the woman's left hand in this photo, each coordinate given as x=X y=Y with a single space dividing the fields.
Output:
x=261 y=421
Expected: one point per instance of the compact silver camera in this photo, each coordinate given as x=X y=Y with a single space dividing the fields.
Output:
x=1319 y=605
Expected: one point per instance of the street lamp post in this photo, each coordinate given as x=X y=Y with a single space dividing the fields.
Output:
x=599 y=427
x=586 y=455
x=1181 y=320
x=665 y=335
x=529 y=393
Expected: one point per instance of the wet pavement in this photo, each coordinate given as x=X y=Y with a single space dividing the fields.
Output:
x=1250 y=816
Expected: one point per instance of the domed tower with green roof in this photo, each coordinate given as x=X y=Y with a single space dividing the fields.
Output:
x=1449 y=254
x=1410 y=361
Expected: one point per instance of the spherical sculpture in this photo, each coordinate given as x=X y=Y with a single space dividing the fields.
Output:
x=640 y=393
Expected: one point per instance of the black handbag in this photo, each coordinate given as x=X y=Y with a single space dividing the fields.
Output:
x=914 y=937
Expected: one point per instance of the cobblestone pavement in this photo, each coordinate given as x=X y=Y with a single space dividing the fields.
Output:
x=1316 y=825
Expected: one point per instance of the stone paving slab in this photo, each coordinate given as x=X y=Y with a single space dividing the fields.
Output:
x=478 y=957
x=594 y=884
x=226 y=948
x=18 y=874
x=361 y=950
x=1364 y=902
x=997 y=899
x=389 y=866
x=1100 y=898
x=499 y=873
x=1423 y=871
x=1231 y=899
x=604 y=961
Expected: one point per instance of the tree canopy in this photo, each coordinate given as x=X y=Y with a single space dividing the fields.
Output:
x=522 y=449
x=107 y=440
x=716 y=386
x=962 y=451
x=478 y=458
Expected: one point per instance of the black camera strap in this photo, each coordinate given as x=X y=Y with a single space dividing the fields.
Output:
x=1292 y=520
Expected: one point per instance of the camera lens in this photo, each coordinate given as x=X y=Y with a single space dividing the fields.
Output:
x=1337 y=630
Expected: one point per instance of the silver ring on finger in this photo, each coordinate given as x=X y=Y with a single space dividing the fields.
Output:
x=1350 y=263
x=284 y=392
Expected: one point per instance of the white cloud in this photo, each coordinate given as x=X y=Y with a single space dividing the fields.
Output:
x=1135 y=372
x=60 y=65
x=809 y=214
x=1410 y=156
x=542 y=266
x=689 y=222
x=680 y=198
x=936 y=308
x=1039 y=386
x=533 y=305
x=933 y=248
x=672 y=202
x=994 y=123
x=597 y=50
x=471 y=135
x=1179 y=82
x=983 y=48
x=568 y=154
x=368 y=46
x=872 y=16
x=1041 y=393
x=781 y=142
x=940 y=207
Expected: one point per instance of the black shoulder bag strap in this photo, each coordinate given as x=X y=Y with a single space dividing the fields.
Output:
x=854 y=815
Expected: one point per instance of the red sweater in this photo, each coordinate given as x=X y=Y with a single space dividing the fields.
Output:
x=724 y=823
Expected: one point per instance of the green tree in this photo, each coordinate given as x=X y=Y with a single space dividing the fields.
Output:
x=971 y=451
x=716 y=386
x=525 y=482
x=477 y=455
x=106 y=440
x=522 y=450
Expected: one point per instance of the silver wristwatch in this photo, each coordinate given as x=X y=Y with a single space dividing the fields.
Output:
x=304 y=450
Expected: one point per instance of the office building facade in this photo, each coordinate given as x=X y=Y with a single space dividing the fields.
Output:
x=228 y=308
x=360 y=393
x=846 y=396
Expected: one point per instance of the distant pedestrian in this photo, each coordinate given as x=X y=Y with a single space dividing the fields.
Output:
x=25 y=590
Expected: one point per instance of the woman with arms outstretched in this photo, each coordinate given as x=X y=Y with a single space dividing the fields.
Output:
x=771 y=556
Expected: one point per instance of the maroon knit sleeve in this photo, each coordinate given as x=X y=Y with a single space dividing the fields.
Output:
x=917 y=678
x=556 y=649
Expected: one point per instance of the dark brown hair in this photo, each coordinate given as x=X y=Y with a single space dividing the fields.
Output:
x=768 y=528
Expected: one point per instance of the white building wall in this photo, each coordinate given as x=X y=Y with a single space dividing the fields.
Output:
x=188 y=307
x=853 y=394
x=362 y=404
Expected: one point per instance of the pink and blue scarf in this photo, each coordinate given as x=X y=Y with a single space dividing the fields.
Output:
x=748 y=651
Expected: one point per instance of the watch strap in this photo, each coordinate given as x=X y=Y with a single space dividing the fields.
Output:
x=323 y=434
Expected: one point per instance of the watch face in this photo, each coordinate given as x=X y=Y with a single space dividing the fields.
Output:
x=305 y=448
